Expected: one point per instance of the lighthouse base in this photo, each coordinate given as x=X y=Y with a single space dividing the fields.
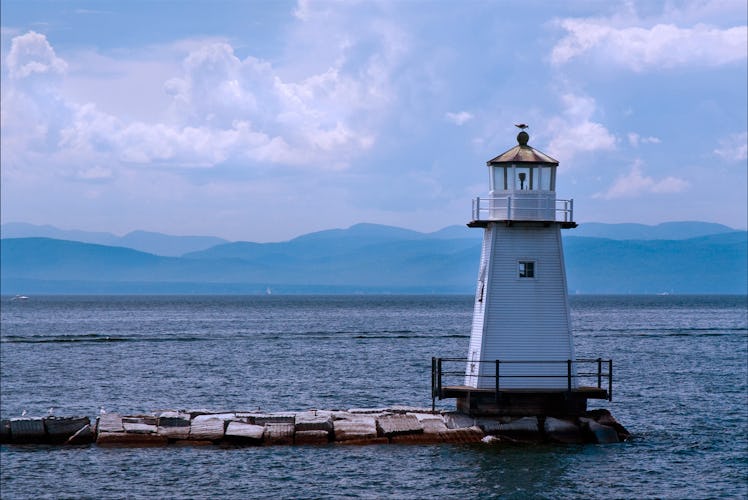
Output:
x=519 y=402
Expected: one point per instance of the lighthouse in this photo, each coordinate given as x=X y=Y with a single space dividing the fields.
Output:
x=520 y=358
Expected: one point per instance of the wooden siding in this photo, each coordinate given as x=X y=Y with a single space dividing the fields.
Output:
x=521 y=319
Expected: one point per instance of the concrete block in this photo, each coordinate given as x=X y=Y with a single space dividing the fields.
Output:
x=408 y=409
x=109 y=422
x=84 y=435
x=59 y=429
x=174 y=433
x=310 y=421
x=463 y=435
x=279 y=433
x=312 y=437
x=174 y=419
x=275 y=418
x=140 y=419
x=365 y=441
x=355 y=429
x=523 y=426
x=130 y=439
x=27 y=430
x=244 y=433
x=433 y=425
x=424 y=438
x=139 y=428
x=392 y=425
x=206 y=427
x=457 y=420
x=368 y=411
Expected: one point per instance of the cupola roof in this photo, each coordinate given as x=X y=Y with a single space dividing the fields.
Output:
x=522 y=153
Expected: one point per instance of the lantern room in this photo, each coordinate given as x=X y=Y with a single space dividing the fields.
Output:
x=522 y=187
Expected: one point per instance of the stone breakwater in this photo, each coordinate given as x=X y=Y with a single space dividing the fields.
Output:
x=396 y=425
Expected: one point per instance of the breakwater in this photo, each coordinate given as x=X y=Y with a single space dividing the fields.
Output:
x=362 y=426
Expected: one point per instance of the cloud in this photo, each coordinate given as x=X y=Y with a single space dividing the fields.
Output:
x=635 y=184
x=30 y=54
x=459 y=118
x=575 y=132
x=221 y=109
x=635 y=139
x=659 y=46
x=734 y=147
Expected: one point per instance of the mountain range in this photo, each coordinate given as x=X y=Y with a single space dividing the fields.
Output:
x=676 y=257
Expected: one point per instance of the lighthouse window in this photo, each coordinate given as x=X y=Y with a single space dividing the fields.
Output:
x=526 y=269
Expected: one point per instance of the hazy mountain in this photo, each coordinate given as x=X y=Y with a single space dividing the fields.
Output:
x=155 y=243
x=369 y=258
x=664 y=231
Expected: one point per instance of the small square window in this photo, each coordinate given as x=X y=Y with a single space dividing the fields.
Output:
x=526 y=269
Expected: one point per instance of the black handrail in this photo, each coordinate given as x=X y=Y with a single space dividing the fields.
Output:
x=437 y=373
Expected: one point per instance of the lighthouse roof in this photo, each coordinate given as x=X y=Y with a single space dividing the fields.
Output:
x=522 y=153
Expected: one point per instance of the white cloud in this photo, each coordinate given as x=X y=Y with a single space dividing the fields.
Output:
x=460 y=118
x=734 y=147
x=575 y=132
x=636 y=139
x=31 y=54
x=222 y=108
x=635 y=184
x=659 y=46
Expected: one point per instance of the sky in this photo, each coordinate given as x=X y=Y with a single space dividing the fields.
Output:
x=264 y=120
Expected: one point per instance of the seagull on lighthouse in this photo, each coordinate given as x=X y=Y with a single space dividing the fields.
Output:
x=522 y=126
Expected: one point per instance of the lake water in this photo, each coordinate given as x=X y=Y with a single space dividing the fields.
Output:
x=681 y=386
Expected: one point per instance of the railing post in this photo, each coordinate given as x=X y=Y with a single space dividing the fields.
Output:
x=433 y=383
x=568 y=374
x=497 y=382
x=439 y=377
x=571 y=210
x=610 y=380
x=476 y=208
x=509 y=208
x=599 y=373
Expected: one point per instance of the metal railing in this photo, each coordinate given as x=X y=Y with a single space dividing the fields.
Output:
x=603 y=372
x=523 y=208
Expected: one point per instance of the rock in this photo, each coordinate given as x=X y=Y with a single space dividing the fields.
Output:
x=27 y=430
x=392 y=425
x=244 y=433
x=60 y=429
x=360 y=428
x=109 y=422
x=310 y=421
x=207 y=427
x=368 y=411
x=279 y=433
x=562 y=431
x=84 y=435
x=603 y=417
x=312 y=437
x=140 y=419
x=601 y=434
x=4 y=431
x=174 y=419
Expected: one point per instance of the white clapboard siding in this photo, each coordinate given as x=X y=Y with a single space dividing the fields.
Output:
x=521 y=319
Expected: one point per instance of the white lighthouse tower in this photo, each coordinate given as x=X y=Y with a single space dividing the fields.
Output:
x=521 y=354
x=521 y=311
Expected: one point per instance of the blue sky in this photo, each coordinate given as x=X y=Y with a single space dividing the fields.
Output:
x=264 y=120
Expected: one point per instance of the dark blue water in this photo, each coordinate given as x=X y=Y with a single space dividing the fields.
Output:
x=681 y=387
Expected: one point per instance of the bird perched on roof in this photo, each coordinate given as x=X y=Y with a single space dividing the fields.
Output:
x=523 y=126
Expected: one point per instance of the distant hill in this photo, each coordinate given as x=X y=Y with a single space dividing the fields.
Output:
x=664 y=231
x=155 y=243
x=369 y=258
